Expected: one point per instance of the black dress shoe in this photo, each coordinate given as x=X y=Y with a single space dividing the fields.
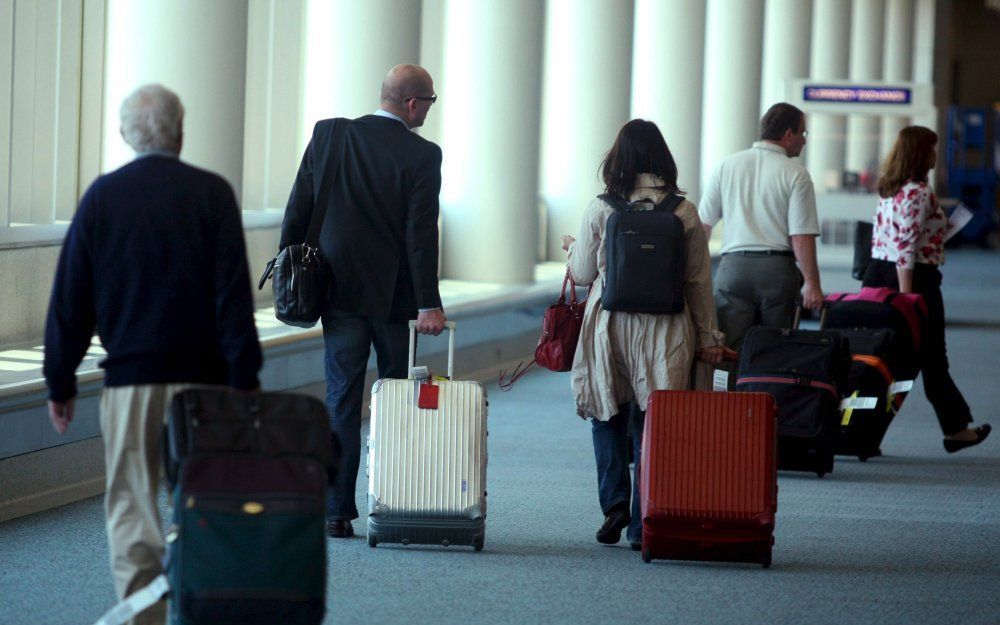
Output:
x=340 y=528
x=616 y=520
x=951 y=445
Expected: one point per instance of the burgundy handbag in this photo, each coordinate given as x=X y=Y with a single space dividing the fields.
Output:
x=560 y=334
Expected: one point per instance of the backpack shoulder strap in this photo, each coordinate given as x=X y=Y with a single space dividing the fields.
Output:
x=616 y=202
x=670 y=203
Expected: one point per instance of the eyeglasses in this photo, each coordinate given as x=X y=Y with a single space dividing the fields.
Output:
x=427 y=98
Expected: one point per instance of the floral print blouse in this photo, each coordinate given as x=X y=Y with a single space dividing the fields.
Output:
x=910 y=227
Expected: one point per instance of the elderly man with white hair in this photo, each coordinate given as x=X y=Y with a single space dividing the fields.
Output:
x=155 y=262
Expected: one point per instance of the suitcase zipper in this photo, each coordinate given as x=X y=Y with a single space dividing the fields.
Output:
x=252 y=504
x=788 y=380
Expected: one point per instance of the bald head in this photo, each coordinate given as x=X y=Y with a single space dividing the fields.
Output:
x=408 y=91
x=406 y=81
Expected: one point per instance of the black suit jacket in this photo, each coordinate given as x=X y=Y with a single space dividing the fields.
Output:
x=380 y=233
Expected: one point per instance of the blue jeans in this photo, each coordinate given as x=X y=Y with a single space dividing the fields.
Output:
x=348 y=341
x=611 y=453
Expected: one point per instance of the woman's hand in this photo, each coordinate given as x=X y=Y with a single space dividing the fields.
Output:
x=717 y=354
x=567 y=241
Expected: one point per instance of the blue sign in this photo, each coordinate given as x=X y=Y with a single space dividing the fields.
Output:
x=842 y=94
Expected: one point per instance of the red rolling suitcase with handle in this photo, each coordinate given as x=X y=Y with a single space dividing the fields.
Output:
x=708 y=477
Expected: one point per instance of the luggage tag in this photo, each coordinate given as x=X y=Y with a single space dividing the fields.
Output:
x=901 y=386
x=427 y=391
x=427 y=395
x=720 y=380
x=852 y=403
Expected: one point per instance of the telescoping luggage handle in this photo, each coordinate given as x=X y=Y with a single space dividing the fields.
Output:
x=450 y=325
x=798 y=316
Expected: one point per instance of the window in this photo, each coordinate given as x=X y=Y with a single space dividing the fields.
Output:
x=51 y=58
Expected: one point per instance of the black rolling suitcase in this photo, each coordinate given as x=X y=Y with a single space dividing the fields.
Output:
x=876 y=308
x=868 y=404
x=805 y=371
x=248 y=474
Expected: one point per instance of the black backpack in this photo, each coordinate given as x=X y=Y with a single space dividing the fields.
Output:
x=645 y=254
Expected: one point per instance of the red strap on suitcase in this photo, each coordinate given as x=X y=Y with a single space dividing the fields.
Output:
x=750 y=379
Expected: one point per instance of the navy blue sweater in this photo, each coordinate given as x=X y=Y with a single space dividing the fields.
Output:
x=154 y=261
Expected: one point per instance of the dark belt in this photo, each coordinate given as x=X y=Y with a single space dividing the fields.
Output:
x=761 y=253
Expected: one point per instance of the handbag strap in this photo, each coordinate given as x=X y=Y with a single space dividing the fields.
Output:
x=519 y=371
x=321 y=204
x=568 y=279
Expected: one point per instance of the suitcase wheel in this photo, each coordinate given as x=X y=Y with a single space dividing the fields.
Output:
x=372 y=540
x=647 y=555
x=767 y=560
x=480 y=543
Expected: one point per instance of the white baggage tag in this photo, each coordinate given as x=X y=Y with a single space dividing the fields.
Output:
x=902 y=386
x=135 y=603
x=858 y=403
x=720 y=380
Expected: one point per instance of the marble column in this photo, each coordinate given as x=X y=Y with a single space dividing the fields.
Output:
x=731 y=100
x=897 y=60
x=670 y=93
x=350 y=46
x=865 y=66
x=489 y=197
x=198 y=50
x=587 y=51
x=787 y=37
x=825 y=149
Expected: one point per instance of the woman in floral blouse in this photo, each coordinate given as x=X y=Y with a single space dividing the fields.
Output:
x=907 y=247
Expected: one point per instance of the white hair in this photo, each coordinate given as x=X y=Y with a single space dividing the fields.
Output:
x=152 y=119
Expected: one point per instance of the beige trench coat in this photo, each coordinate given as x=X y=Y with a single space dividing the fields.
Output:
x=623 y=357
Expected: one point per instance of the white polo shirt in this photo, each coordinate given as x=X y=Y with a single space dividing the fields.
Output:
x=764 y=196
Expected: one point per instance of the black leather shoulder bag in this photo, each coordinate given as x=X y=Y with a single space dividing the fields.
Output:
x=300 y=275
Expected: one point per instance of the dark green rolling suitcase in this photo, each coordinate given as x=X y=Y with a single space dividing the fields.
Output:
x=248 y=474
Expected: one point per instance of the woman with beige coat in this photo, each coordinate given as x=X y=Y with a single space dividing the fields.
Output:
x=623 y=357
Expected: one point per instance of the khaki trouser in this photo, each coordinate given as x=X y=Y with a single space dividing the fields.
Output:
x=132 y=419
x=755 y=290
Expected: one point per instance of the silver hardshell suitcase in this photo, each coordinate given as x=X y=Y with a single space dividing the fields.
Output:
x=427 y=466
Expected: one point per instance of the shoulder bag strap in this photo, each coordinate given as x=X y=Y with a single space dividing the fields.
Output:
x=327 y=144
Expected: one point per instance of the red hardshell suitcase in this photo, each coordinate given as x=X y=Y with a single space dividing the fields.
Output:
x=709 y=476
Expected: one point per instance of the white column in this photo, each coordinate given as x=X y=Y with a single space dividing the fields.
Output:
x=350 y=46
x=274 y=101
x=198 y=50
x=432 y=19
x=787 y=35
x=897 y=55
x=733 y=40
x=865 y=65
x=671 y=97
x=923 y=53
x=587 y=51
x=490 y=140
x=825 y=149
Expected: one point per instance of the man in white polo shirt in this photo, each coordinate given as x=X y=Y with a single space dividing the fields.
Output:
x=769 y=206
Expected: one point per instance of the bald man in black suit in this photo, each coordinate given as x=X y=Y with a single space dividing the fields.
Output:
x=379 y=187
